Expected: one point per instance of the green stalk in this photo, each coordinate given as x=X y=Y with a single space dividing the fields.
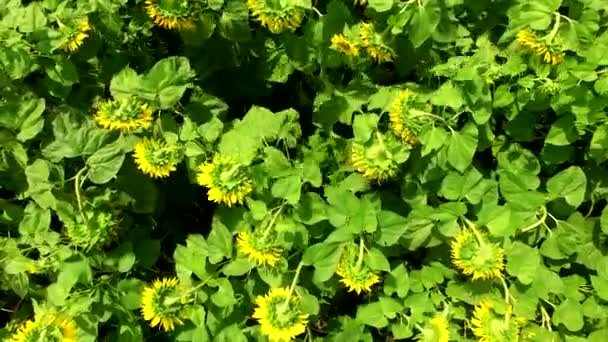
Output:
x=360 y=258
x=292 y=287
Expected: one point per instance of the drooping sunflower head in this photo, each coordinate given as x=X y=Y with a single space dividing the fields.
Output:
x=76 y=34
x=404 y=121
x=48 y=327
x=354 y=274
x=547 y=52
x=163 y=303
x=93 y=229
x=226 y=180
x=172 y=14
x=259 y=248
x=374 y=44
x=379 y=158
x=489 y=325
x=156 y=157
x=436 y=330
x=474 y=255
x=277 y=15
x=280 y=319
x=340 y=43
x=126 y=115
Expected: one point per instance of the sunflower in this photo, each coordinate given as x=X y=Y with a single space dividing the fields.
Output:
x=125 y=115
x=403 y=123
x=225 y=179
x=527 y=38
x=436 y=330
x=491 y=326
x=277 y=16
x=475 y=256
x=280 y=318
x=163 y=303
x=340 y=43
x=77 y=36
x=156 y=157
x=48 y=327
x=258 y=249
x=93 y=229
x=379 y=158
x=373 y=44
x=172 y=14
x=356 y=276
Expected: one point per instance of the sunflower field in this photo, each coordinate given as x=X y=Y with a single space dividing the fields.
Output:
x=303 y=170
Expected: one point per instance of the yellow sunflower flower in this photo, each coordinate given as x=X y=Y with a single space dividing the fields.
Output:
x=490 y=326
x=257 y=249
x=356 y=276
x=51 y=327
x=171 y=14
x=435 y=331
x=163 y=303
x=225 y=179
x=156 y=157
x=475 y=256
x=280 y=322
x=277 y=16
x=373 y=44
x=527 y=38
x=401 y=123
x=125 y=115
x=77 y=36
x=340 y=43
x=380 y=158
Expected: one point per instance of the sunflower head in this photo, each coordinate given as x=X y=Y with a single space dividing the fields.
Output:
x=76 y=34
x=490 y=325
x=281 y=319
x=172 y=14
x=379 y=158
x=404 y=122
x=226 y=180
x=547 y=52
x=258 y=248
x=276 y=15
x=354 y=274
x=343 y=45
x=163 y=303
x=156 y=158
x=93 y=229
x=374 y=44
x=474 y=255
x=126 y=115
x=48 y=327
x=436 y=330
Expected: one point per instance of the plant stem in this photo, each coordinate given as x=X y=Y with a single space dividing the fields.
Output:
x=271 y=223
x=555 y=28
x=293 y=286
x=360 y=259
x=539 y=222
x=77 y=185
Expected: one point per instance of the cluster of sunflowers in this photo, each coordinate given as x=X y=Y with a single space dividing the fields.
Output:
x=373 y=43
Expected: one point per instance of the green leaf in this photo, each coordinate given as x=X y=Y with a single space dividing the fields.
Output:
x=311 y=209
x=462 y=147
x=397 y=281
x=600 y=285
x=168 y=80
x=570 y=184
x=523 y=262
x=192 y=257
x=598 y=147
x=219 y=241
x=392 y=226
x=105 y=163
x=424 y=22
x=376 y=260
x=288 y=188
x=563 y=132
x=363 y=127
x=381 y=5
x=448 y=95
x=570 y=314
x=372 y=315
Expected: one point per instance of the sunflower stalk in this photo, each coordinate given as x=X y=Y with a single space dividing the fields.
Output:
x=542 y=220
x=292 y=288
x=268 y=228
x=360 y=258
x=77 y=185
x=553 y=32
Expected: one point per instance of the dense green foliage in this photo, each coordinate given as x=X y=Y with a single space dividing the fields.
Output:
x=378 y=169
